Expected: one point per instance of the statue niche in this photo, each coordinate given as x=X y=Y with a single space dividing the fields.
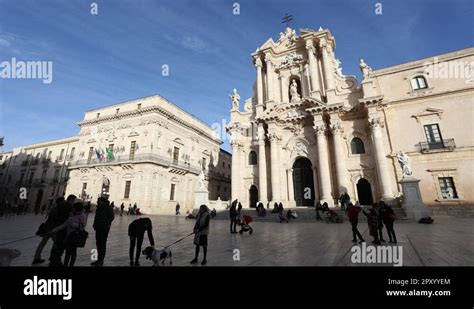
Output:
x=294 y=89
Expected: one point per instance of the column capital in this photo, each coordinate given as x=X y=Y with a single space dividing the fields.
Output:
x=309 y=46
x=376 y=123
x=336 y=128
x=268 y=58
x=320 y=129
x=273 y=137
x=258 y=62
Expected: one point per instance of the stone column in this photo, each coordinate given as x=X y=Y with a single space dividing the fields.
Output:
x=275 y=166
x=316 y=185
x=376 y=127
x=270 y=94
x=284 y=88
x=259 y=107
x=323 y=162
x=313 y=71
x=236 y=168
x=328 y=74
x=340 y=158
x=291 y=191
x=262 y=165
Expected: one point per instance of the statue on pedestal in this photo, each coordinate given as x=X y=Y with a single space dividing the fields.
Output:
x=405 y=163
x=235 y=98
x=294 y=91
x=366 y=70
x=202 y=181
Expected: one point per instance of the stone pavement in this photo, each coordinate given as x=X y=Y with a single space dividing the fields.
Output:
x=447 y=242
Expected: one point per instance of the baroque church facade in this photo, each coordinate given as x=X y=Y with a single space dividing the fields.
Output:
x=310 y=133
x=146 y=151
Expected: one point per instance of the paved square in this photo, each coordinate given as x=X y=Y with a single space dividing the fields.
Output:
x=447 y=242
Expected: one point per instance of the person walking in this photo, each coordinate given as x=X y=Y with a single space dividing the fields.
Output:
x=353 y=214
x=177 y=209
x=60 y=215
x=201 y=230
x=75 y=222
x=372 y=221
x=48 y=226
x=239 y=208
x=122 y=207
x=233 y=217
x=136 y=232
x=388 y=219
x=104 y=215
x=379 y=209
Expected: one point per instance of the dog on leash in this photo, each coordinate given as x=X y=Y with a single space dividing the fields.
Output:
x=7 y=255
x=157 y=255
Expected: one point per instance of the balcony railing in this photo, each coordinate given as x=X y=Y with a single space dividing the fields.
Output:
x=137 y=158
x=444 y=145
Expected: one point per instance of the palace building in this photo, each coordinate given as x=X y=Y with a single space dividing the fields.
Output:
x=310 y=133
x=146 y=151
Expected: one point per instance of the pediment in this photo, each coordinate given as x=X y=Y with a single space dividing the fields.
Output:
x=429 y=112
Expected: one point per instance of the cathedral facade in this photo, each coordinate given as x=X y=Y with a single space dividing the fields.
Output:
x=309 y=133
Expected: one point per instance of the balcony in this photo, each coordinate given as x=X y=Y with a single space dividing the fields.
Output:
x=137 y=158
x=441 y=146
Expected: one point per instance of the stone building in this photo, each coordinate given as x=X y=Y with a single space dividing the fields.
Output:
x=146 y=151
x=310 y=133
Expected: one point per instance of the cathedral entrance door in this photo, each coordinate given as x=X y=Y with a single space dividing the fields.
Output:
x=253 y=194
x=364 y=192
x=303 y=185
x=104 y=192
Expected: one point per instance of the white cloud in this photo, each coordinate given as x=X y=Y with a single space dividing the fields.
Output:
x=194 y=43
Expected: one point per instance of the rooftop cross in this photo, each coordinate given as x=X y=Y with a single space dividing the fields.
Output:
x=286 y=19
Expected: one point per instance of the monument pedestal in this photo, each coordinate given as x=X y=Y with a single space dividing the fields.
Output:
x=201 y=198
x=412 y=202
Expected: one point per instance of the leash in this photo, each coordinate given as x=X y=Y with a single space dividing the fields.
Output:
x=178 y=240
x=11 y=242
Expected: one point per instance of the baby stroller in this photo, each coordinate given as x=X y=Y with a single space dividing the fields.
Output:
x=244 y=222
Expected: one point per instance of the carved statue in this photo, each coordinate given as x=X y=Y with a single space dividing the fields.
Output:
x=294 y=91
x=202 y=182
x=405 y=163
x=366 y=70
x=235 y=98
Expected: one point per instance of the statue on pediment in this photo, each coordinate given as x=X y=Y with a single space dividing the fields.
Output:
x=235 y=99
x=366 y=70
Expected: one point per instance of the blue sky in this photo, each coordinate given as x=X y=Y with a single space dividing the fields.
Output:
x=117 y=55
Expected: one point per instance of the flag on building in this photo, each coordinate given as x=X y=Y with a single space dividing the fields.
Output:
x=97 y=153
x=110 y=153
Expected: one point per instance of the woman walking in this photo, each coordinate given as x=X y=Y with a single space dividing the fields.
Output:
x=201 y=230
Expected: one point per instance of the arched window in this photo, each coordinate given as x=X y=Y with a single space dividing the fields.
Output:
x=252 y=158
x=357 y=146
x=419 y=82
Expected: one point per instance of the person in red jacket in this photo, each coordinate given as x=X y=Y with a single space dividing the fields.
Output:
x=353 y=213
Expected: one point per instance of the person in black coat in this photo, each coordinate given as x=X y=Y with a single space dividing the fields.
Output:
x=58 y=216
x=136 y=232
x=104 y=215
x=233 y=217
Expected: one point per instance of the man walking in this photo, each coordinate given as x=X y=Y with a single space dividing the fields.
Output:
x=353 y=214
x=233 y=217
x=104 y=215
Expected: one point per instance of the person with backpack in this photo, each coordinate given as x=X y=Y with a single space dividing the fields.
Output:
x=104 y=215
x=76 y=222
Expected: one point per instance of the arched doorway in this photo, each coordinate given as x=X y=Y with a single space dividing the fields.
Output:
x=303 y=185
x=364 y=192
x=253 y=194
x=105 y=191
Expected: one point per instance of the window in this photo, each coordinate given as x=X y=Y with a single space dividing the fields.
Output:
x=117 y=110
x=433 y=136
x=83 y=192
x=139 y=105
x=252 y=158
x=54 y=190
x=71 y=155
x=418 y=82
x=173 y=187
x=357 y=146
x=89 y=156
x=218 y=188
x=98 y=115
x=132 y=150
x=32 y=174
x=204 y=164
x=50 y=153
x=21 y=177
x=175 y=155
x=448 y=191
x=128 y=183
x=61 y=155
x=56 y=176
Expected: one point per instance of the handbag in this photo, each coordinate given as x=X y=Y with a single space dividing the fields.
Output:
x=78 y=238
